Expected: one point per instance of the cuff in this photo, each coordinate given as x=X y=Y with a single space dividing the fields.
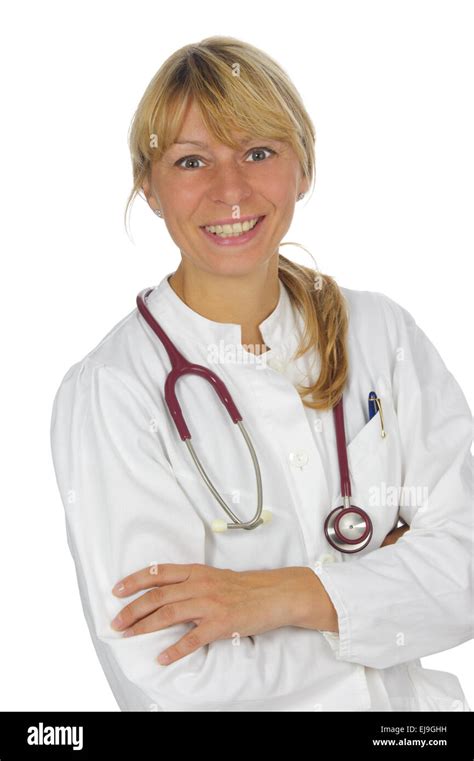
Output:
x=339 y=641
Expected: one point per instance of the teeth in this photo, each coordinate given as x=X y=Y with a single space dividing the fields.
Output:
x=228 y=231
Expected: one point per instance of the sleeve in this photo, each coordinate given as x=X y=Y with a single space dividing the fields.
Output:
x=414 y=598
x=125 y=510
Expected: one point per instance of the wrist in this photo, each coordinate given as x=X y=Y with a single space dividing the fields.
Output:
x=315 y=607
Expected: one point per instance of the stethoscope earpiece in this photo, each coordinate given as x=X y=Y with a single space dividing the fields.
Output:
x=219 y=525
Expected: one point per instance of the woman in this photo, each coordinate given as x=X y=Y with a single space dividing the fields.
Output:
x=283 y=616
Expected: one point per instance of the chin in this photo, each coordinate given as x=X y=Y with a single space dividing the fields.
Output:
x=223 y=263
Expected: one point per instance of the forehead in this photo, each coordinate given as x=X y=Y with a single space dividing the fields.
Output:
x=194 y=131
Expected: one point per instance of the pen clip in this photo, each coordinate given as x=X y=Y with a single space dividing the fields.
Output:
x=379 y=405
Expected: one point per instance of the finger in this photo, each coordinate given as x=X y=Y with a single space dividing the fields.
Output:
x=152 y=576
x=175 y=613
x=152 y=600
x=198 y=637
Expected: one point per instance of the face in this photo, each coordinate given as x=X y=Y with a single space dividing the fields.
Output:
x=201 y=185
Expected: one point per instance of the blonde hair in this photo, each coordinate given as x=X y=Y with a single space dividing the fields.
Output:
x=239 y=87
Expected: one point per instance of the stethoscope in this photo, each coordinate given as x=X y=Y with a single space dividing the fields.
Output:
x=347 y=528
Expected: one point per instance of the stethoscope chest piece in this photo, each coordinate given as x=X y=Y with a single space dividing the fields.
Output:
x=348 y=529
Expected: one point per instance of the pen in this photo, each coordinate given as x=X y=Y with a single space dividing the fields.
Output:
x=372 y=404
x=375 y=405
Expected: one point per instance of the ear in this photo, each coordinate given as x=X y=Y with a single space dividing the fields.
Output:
x=304 y=186
x=151 y=200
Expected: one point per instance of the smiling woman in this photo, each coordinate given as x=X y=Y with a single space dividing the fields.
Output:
x=270 y=617
x=256 y=158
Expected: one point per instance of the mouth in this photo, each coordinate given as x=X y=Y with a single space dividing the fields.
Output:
x=227 y=235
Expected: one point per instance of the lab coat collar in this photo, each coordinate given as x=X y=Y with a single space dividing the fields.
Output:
x=279 y=330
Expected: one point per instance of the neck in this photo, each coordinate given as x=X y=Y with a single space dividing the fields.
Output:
x=245 y=300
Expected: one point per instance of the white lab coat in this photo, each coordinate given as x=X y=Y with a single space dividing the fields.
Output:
x=133 y=497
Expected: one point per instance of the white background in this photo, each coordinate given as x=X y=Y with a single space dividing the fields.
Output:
x=387 y=85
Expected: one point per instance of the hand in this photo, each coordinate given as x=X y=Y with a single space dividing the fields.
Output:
x=222 y=603
x=395 y=535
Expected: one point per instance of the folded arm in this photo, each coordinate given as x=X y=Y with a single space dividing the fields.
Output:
x=412 y=598
x=126 y=510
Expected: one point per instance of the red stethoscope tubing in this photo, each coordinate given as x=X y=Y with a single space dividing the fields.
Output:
x=181 y=366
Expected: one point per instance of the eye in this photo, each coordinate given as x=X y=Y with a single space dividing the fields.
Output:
x=260 y=150
x=188 y=158
x=196 y=158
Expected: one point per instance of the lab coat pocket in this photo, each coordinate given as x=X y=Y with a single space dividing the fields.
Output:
x=366 y=441
x=436 y=690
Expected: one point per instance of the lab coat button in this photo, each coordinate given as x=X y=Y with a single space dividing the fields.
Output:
x=327 y=558
x=299 y=458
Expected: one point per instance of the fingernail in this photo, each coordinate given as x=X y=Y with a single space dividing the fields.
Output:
x=119 y=587
x=163 y=659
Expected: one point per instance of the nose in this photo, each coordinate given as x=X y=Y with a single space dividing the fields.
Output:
x=230 y=185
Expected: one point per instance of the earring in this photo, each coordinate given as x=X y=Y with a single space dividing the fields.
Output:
x=300 y=196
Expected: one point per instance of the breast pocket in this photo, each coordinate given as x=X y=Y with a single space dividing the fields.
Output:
x=375 y=471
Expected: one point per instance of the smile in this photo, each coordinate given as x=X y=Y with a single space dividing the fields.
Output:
x=235 y=234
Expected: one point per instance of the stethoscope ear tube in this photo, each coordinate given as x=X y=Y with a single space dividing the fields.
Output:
x=260 y=517
x=180 y=366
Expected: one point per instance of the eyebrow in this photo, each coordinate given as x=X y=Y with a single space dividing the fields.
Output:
x=204 y=145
